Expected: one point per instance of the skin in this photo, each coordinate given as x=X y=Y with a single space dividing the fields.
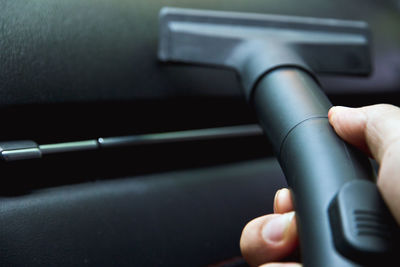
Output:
x=373 y=129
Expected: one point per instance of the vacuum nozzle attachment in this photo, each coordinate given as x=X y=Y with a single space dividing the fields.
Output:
x=276 y=58
x=253 y=44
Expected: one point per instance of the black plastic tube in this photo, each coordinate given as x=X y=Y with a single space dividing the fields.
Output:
x=293 y=110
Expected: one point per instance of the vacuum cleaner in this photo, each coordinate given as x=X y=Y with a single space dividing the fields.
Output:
x=342 y=219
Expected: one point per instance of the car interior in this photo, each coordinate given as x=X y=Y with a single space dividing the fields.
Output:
x=110 y=157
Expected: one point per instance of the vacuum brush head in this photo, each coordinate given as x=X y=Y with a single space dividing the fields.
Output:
x=253 y=44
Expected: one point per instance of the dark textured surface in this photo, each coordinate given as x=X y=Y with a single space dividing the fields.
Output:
x=176 y=219
x=97 y=55
x=61 y=51
x=113 y=163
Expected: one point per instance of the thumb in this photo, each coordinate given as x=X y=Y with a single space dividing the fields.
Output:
x=376 y=130
x=373 y=128
x=269 y=238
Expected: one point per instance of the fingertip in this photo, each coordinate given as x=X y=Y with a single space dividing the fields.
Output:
x=331 y=113
x=283 y=201
x=336 y=113
x=349 y=124
x=252 y=245
x=269 y=238
x=275 y=231
x=276 y=200
x=335 y=109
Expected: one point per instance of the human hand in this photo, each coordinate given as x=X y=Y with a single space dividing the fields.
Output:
x=373 y=129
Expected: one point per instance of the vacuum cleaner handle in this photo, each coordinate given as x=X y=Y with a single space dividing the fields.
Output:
x=342 y=220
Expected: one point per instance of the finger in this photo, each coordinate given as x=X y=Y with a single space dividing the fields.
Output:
x=374 y=128
x=281 y=264
x=350 y=124
x=269 y=238
x=283 y=201
x=377 y=129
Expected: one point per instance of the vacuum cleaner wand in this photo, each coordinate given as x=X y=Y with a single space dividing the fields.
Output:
x=341 y=217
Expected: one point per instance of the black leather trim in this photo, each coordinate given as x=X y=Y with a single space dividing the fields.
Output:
x=187 y=218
